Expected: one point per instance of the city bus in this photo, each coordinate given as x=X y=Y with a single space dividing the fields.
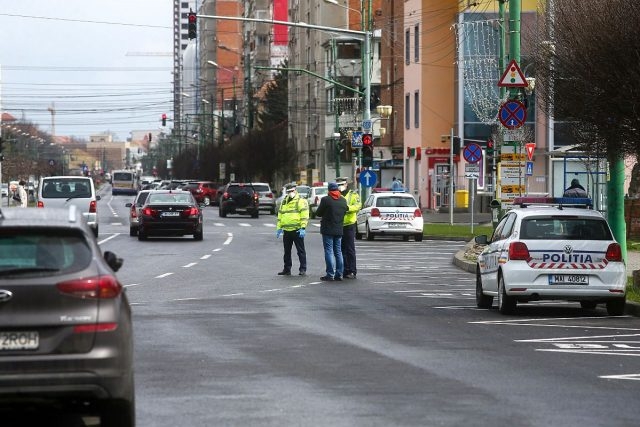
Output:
x=124 y=182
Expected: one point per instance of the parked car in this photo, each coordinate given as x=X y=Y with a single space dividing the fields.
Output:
x=240 y=198
x=5 y=189
x=135 y=209
x=219 y=194
x=554 y=251
x=266 y=199
x=63 y=191
x=303 y=190
x=170 y=213
x=203 y=191
x=66 y=338
x=315 y=195
x=390 y=214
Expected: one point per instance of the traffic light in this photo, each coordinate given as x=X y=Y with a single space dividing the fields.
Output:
x=164 y=119
x=367 y=150
x=490 y=149
x=193 y=29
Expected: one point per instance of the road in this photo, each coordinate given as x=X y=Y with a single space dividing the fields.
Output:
x=220 y=339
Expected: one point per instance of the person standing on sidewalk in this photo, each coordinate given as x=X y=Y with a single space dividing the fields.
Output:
x=22 y=193
x=332 y=209
x=293 y=217
x=349 y=227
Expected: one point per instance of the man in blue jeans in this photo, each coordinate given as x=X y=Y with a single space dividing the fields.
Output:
x=332 y=209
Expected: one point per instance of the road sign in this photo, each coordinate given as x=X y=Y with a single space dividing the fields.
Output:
x=513 y=76
x=529 y=168
x=512 y=114
x=472 y=170
x=530 y=147
x=472 y=153
x=368 y=178
x=356 y=139
x=367 y=125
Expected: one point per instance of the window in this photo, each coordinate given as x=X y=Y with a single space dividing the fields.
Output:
x=407 y=47
x=407 y=111
x=416 y=43
x=416 y=109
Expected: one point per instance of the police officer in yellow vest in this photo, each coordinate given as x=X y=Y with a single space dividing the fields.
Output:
x=349 y=228
x=293 y=217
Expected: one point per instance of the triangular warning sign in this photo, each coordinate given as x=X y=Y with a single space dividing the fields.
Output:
x=513 y=76
x=530 y=147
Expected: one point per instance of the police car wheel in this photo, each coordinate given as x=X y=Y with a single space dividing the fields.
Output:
x=506 y=304
x=482 y=300
x=368 y=233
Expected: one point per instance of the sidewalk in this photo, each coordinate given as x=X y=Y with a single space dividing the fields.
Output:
x=458 y=218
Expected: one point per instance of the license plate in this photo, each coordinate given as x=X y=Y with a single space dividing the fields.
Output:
x=397 y=225
x=19 y=340
x=568 y=279
x=170 y=213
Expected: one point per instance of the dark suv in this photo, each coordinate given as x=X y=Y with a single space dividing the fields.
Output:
x=240 y=198
x=203 y=191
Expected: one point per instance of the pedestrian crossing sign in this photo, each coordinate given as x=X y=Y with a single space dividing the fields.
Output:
x=513 y=76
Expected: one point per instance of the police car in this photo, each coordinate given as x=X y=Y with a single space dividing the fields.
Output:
x=551 y=249
x=390 y=213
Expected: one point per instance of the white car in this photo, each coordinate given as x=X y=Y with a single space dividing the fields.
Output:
x=316 y=194
x=551 y=252
x=390 y=214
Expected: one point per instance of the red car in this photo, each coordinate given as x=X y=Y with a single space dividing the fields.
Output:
x=203 y=191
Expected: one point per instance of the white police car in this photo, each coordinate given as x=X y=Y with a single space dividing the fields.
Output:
x=553 y=252
x=390 y=213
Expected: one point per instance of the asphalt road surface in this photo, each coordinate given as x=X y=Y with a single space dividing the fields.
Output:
x=220 y=339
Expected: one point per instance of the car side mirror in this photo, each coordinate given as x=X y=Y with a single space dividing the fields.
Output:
x=128 y=205
x=481 y=240
x=98 y=198
x=112 y=260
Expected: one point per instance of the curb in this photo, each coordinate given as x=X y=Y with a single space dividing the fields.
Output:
x=631 y=308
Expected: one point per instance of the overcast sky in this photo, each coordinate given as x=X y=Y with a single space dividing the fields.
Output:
x=83 y=58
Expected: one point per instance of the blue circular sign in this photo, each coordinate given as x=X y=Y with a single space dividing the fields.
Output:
x=472 y=153
x=368 y=178
x=512 y=114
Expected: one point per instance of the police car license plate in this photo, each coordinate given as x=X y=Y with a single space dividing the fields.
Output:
x=170 y=213
x=568 y=279
x=19 y=340
x=397 y=225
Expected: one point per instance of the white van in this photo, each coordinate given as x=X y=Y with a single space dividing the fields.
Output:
x=63 y=191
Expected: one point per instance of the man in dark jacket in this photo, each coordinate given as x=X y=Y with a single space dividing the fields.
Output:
x=575 y=190
x=332 y=209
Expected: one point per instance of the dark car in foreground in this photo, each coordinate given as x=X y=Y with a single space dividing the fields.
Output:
x=240 y=198
x=170 y=213
x=65 y=322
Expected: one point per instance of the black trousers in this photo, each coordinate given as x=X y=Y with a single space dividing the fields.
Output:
x=288 y=239
x=349 y=249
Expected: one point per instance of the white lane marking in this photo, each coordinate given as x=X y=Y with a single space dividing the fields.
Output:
x=184 y=299
x=271 y=290
x=229 y=239
x=131 y=284
x=163 y=275
x=191 y=264
x=316 y=225
x=218 y=224
x=217 y=250
x=116 y=223
x=635 y=377
x=108 y=238
x=205 y=256
x=270 y=225
x=298 y=286
x=244 y=224
x=233 y=295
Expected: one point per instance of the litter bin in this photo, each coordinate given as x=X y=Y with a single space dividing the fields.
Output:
x=496 y=212
x=462 y=198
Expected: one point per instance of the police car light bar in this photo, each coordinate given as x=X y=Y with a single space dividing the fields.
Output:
x=578 y=202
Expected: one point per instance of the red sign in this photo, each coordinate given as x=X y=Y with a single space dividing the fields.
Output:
x=530 y=147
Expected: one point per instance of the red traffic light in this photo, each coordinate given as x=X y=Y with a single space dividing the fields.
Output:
x=192 y=17
x=192 y=28
x=367 y=139
x=164 y=119
x=490 y=143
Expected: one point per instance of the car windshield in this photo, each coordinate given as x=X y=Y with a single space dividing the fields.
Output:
x=32 y=252
x=565 y=228
x=170 y=198
x=261 y=188
x=396 y=202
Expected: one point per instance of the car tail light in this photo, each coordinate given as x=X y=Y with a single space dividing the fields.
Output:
x=375 y=212
x=40 y=204
x=270 y=195
x=99 y=287
x=518 y=251
x=92 y=206
x=417 y=213
x=134 y=212
x=190 y=212
x=614 y=253
x=149 y=212
x=95 y=327
x=225 y=195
